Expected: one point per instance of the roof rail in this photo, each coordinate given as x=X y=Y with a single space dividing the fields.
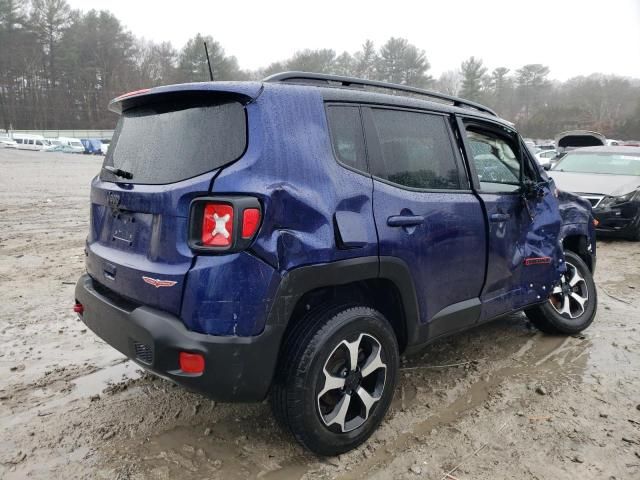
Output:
x=331 y=80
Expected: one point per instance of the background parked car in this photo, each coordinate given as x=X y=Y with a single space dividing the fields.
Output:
x=546 y=157
x=26 y=141
x=92 y=146
x=546 y=146
x=609 y=177
x=8 y=143
x=58 y=147
x=74 y=143
x=569 y=140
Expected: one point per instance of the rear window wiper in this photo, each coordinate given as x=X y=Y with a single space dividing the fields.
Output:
x=118 y=172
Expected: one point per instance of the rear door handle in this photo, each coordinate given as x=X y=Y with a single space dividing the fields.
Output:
x=405 y=220
x=499 y=217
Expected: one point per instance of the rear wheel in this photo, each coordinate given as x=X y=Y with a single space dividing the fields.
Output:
x=573 y=302
x=336 y=378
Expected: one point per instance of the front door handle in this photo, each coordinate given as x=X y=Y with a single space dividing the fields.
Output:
x=499 y=217
x=405 y=220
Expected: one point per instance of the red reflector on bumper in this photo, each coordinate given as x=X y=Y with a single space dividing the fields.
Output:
x=191 y=362
x=78 y=308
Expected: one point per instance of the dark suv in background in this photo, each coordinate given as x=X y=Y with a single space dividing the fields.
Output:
x=294 y=236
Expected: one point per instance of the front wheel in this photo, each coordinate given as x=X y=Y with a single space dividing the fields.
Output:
x=336 y=378
x=572 y=304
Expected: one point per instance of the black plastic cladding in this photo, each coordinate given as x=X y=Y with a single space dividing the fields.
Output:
x=239 y=204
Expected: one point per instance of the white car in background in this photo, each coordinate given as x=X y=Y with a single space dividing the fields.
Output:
x=72 y=145
x=25 y=141
x=6 y=142
x=545 y=157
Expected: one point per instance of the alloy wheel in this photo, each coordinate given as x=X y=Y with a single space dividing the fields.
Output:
x=571 y=295
x=354 y=379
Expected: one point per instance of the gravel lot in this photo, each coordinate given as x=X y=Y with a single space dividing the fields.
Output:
x=501 y=401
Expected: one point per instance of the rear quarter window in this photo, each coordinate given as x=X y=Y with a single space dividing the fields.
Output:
x=166 y=143
x=345 y=127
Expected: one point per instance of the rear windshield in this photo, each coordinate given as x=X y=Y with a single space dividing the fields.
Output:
x=166 y=143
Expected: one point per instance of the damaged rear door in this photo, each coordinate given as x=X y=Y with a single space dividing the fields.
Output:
x=525 y=256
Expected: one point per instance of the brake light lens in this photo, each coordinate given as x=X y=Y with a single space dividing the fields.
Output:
x=250 y=222
x=191 y=362
x=224 y=224
x=217 y=225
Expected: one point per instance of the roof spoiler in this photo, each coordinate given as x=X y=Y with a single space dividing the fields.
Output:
x=245 y=92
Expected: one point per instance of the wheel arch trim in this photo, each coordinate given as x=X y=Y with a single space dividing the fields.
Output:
x=297 y=282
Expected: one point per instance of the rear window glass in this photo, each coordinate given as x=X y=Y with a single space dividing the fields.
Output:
x=416 y=150
x=166 y=143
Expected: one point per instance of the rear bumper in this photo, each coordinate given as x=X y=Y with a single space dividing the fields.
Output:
x=236 y=368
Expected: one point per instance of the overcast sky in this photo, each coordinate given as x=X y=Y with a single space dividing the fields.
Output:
x=572 y=37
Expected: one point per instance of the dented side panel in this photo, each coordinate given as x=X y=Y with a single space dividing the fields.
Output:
x=541 y=261
x=229 y=294
x=299 y=227
x=525 y=254
x=307 y=202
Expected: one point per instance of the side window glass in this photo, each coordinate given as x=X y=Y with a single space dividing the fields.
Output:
x=497 y=165
x=346 y=135
x=416 y=150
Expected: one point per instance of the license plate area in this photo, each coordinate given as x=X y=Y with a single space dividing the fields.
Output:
x=124 y=229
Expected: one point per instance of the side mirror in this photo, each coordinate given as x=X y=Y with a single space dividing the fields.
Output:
x=532 y=190
x=547 y=166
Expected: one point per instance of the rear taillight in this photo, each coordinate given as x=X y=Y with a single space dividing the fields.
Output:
x=223 y=224
x=217 y=225
x=250 y=222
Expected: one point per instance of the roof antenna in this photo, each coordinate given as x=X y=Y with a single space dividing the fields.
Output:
x=206 y=52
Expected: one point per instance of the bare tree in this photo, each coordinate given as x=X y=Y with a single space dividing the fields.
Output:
x=449 y=82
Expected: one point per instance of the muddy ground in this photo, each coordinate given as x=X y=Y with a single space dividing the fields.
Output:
x=501 y=401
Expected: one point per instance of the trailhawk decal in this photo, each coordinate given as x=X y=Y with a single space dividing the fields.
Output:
x=156 y=282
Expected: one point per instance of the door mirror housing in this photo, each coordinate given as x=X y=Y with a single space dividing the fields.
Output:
x=532 y=190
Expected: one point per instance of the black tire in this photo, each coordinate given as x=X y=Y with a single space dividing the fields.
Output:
x=323 y=341
x=547 y=316
x=634 y=234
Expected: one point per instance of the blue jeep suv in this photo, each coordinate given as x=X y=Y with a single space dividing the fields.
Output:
x=293 y=237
